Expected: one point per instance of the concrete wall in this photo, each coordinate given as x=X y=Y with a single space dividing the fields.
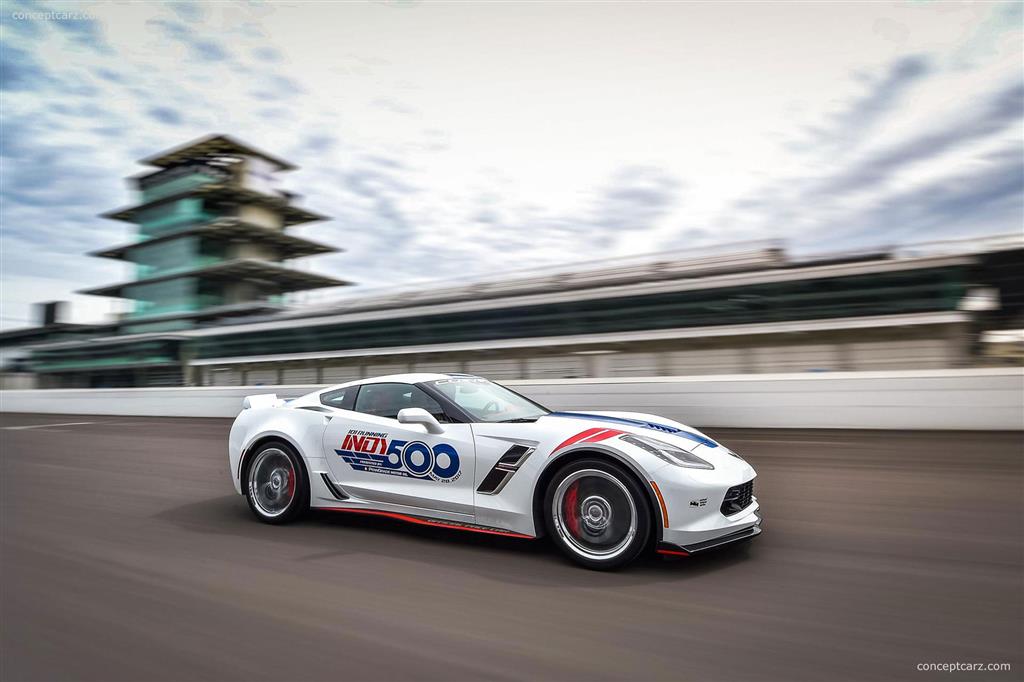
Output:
x=939 y=399
x=17 y=380
x=887 y=348
x=926 y=399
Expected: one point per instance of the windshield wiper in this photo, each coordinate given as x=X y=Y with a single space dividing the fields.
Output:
x=518 y=420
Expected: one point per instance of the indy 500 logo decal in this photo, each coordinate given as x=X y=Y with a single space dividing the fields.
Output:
x=373 y=452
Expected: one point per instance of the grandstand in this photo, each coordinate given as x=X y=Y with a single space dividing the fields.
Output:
x=747 y=308
x=214 y=302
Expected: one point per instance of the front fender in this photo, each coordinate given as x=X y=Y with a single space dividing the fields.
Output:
x=642 y=464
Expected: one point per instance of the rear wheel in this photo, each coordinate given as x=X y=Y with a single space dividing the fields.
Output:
x=276 y=485
x=597 y=514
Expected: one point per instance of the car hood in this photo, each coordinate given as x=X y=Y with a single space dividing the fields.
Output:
x=668 y=430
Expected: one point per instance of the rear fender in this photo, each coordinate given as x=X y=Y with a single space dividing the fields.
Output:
x=302 y=429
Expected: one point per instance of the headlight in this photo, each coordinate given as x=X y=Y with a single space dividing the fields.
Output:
x=668 y=452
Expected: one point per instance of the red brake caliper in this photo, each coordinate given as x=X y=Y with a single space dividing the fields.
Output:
x=572 y=518
x=291 y=483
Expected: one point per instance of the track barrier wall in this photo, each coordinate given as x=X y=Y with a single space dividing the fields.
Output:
x=971 y=399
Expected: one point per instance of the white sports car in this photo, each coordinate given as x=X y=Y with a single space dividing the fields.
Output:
x=459 y=451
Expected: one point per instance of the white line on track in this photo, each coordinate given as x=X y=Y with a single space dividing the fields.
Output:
x=44 y=426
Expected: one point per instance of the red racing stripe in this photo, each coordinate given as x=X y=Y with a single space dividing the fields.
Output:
x=606 y=433
x=428 y=522
x=589 y=436
x=672 y=552
x=577 y=438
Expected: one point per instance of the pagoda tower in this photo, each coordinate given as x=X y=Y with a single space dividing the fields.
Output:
x=212 y=239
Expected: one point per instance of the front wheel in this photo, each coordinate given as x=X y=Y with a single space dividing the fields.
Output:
x=597 y=514
x=276 y=485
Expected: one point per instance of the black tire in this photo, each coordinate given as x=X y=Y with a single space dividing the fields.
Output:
x=275 y=483
x=606 y=529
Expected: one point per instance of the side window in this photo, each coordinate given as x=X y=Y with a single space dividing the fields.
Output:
x=341 y=398
x=386 y=400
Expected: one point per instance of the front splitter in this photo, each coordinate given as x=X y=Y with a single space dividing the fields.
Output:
x=748 y=533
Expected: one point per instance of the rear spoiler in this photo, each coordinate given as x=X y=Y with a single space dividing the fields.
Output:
x=262 y=400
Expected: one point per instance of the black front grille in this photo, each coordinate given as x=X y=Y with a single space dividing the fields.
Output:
x=738 y=498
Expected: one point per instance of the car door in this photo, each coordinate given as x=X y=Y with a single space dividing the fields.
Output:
x=375 y=458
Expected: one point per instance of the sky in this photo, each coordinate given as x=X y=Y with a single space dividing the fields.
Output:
x=464 y=139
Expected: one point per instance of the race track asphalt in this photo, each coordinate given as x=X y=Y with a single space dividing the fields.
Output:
x=127 y=556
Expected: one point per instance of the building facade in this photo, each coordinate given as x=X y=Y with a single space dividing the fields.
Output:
x=736 y=313
x=210 y=280
x=211 y=244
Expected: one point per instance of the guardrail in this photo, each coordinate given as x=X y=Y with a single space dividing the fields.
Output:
x=973 y=399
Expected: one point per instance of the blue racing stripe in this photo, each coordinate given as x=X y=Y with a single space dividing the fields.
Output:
x=682 y=433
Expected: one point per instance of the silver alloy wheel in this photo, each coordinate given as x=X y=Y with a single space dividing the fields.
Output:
x=272 y=482
x=602 y=524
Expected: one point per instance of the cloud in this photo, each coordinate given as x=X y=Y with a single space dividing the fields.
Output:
x=25 y=28
x=56 y=178
x=1003 y=109
x=273 y=114
x=49 y=177
x=316 y=143
x=110 y=75
x=393 y=105
x=884 y=95
x=986 y=200
x=885 y=157
x=207 y=50
x=266 y=54
x=275 y=86
x=960 y=173
x=87 y=33
x=636 y=198
x=165 y=115
x=20 y=71
x=202 y=49
x=191 y=12
x=496 y=235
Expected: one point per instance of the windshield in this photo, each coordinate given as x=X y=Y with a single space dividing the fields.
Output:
x=487 y=401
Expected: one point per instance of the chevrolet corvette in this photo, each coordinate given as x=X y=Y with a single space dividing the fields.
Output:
x=459 y=451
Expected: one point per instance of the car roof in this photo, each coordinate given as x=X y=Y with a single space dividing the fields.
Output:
x=408 y=378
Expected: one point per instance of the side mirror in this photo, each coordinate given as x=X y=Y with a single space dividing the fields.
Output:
x=417 y=415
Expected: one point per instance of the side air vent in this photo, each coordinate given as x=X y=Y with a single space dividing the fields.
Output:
x=494 y=481
x=315 y=408
x=338 y=493
x=503 y=470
